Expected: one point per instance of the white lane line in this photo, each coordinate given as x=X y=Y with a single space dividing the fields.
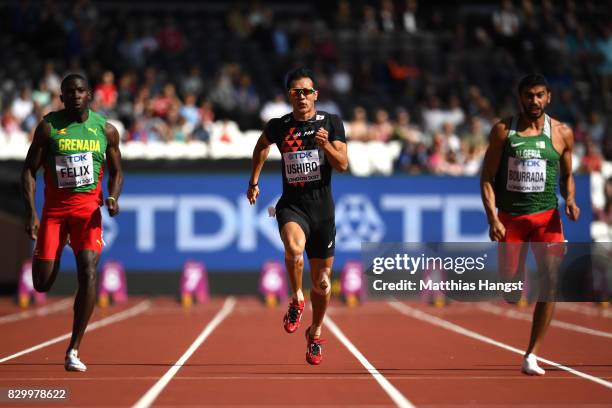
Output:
x=149 y=397
x=256 y=377
x=436 y=321
x=514 y=314
x=586 y=310
x=41 y=311
x=391 y=391
x=117 y=317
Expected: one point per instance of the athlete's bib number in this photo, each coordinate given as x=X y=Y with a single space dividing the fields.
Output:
x=526 y=175
x=302 y=166
x=74 y=170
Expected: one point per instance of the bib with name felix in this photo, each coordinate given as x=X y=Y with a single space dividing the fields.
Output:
x=75 y=155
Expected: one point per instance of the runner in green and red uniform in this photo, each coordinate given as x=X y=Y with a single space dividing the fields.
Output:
x=519 y=178
x=71 y=146
x=312 y=143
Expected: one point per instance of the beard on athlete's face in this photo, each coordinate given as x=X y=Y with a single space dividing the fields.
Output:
x=533 y=110
x=534 y=102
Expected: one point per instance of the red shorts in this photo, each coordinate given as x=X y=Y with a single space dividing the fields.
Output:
x=543 y=227
x=82 y=225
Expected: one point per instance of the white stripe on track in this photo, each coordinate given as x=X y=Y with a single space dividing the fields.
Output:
x=391 y=391
x=585 y=310
x=117 y=317
x=149 y=397
x=40 y=311
x=259 y=377
x=514 y=314
x=436 y=321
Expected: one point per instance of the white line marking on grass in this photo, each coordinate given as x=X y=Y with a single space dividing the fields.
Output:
x=393 y=392
x=436 y=321
x=514 y=314
x=149 y=397
x=126 y=314
x=40 y=311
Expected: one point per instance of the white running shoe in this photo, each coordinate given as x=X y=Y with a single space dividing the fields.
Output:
x=73 y=363
x=530 y=366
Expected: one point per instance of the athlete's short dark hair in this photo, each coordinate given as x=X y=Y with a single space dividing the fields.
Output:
x=72 y=77
x=301 y=72
x=531 y=80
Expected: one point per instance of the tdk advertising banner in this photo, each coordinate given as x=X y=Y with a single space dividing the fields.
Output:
x=168 y=219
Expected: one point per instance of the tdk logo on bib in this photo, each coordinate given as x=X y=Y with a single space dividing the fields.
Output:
x=77 y=158
x=531 y=163
x=300 y=155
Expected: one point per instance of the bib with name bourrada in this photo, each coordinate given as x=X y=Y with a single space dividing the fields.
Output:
x=74 y=170
x=302 y=166
x=526 y=175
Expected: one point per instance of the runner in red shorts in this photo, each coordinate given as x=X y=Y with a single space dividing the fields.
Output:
x=71 y=146
x=519 y=178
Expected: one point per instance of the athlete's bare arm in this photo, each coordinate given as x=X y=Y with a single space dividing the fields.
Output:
x=492 y=159
x=566 y=178
x=113 y=164
x=34 y=159
x=335 y=151
x=260 y=154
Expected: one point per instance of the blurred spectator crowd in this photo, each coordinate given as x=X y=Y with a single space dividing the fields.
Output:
x=419 y=83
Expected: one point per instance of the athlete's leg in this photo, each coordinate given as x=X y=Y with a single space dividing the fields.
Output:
x=542 y=315
x=320 y=274
x=511 y=259
x=548 y=248
x=52 y=237
x=512 y=252
x=44 y=273
x=85 y=300
x=294 y=240
x=83 y=306
x=86 y=237
x=548 y=262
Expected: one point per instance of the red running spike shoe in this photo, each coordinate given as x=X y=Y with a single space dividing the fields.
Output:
x=314 y=349
x=293 y=317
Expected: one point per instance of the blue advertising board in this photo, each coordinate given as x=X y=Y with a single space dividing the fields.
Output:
x=168 y=219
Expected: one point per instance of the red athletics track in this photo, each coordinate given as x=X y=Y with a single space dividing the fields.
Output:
x=425 y=356
x=445 y=368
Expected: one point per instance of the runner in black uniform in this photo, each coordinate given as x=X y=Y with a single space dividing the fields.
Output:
x=311 y=143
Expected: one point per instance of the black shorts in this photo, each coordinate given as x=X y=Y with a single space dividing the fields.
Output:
x=317 y=219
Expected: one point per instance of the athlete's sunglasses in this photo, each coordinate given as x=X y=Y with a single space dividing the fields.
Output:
x=301 y=91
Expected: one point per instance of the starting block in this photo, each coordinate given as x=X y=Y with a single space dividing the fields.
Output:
x=523 y=302
x=273 y=283
x=436 y=298
x=113 y=284
x=25 y=290
x=352 y=285
x=194 y=283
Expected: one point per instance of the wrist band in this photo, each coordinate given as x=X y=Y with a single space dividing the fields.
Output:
x=253 y=185
x=111 y=198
